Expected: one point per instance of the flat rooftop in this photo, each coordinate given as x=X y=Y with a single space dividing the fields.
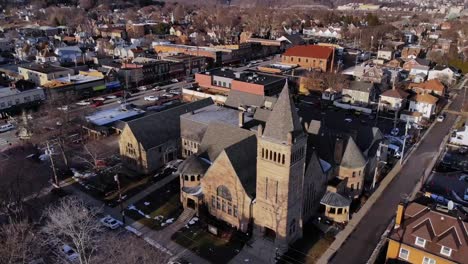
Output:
x=107 y=117
x=215 y=113
x=249 y=77
x=44 y=68
x=79 y=78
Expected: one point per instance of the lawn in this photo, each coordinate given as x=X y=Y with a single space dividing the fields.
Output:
x=157 y=207
x=309 y=248
x=216 y=249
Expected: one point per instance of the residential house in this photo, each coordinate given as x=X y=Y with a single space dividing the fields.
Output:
x=385 y=54
x=322 y=32
x=393 y=100
x=433 y=86
x=460 y=136
x=411 y=52
x=447 y=75
x=425 y=104
x=408 y=65
x=312 y=57
x=70 y=54
x=360 y=93
x=425 y=234
x=149 y=142
x=418 y=73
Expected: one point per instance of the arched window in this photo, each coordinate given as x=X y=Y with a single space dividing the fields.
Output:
x=198 y=178
x=263 y=153
x=192 y=178
x=224 y=192
x=284 y=159
x=186 y=177
x=274 y=156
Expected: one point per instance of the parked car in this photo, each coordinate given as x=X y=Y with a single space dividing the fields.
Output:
x=84 y=102
x=417 y=126
x=111 y=96
x=63 y=108
x=174 y=80
x=69 y=253
x=142 y=88
x=168 y=95
x=156 y=88
x=395 y=131
x=151 y=98
x=102 y=99
x=97 y=104
x=110 y=222
x=440 y=118
x=6 y=127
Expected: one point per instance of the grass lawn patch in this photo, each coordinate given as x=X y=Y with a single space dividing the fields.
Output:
x=309 y=248
x=157 y=207
x=216 y=249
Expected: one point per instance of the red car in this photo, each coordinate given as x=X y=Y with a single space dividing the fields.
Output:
x=97 y=104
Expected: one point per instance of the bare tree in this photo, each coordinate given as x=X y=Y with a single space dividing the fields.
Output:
x=128 y=249
x=18 y=242
x=72 y=222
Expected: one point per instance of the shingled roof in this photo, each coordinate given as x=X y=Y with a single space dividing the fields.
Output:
x=153 y=130
x=352 y=157
x=437 y=228
x=283 y=119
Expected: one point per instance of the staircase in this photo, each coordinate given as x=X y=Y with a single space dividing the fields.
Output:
x=186 y=215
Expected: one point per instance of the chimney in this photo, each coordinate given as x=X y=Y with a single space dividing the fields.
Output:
x=241 y=118
x=399 y=215
x=338 y=155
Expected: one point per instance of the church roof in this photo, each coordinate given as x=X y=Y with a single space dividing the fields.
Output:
x=283 y=119
x=335 y=200
x=193 y=165
x=352 y=157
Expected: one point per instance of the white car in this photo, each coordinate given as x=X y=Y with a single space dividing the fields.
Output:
x=349 y=120
x=111 y=96
x=110 y=222
x=168 y=95
x=174 y=80
x=142 y=88
x=84 y=102
x=6 y=127
x=156 y=88
x=151 y=98
x=395 y=131
x=99 y=99
x=63 y=108
x=69 y=253
x=440 y=118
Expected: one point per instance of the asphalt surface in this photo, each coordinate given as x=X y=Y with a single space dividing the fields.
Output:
x=361 y=243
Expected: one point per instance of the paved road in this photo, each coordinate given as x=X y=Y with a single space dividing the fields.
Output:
x=361 y=243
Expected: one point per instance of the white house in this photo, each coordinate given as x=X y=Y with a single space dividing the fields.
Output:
x=322 y=32
x=418 y=69
x=11 y=97
x=460 y=137
x=424 y=104
x=446 y=75
x=385 y=54
x=69 y=53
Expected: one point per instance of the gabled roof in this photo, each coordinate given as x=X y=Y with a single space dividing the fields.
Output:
x=193 y=165
x=437 y=228
x=431 y=85
x=360 y=86
x=219 y=136
x=310 y=51
x=335 y=200
x=352 y=157
x=153 y=130
x=283 y=119
x=424 y=98
x=395 y=93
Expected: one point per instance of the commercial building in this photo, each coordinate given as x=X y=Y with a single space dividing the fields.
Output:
x=312 y=57
x=12 y=98
x=225 y=80
x=41 y=74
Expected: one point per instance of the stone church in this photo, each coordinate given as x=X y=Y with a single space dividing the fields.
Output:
x=252 y=174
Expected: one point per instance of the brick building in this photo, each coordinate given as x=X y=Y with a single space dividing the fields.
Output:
x=313 y=57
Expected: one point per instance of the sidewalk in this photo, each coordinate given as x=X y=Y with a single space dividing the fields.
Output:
x=159 y=239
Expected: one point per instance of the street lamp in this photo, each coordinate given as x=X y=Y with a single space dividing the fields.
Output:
x=122 y=211
x=379 y=152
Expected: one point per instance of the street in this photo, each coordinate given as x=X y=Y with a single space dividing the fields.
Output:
x=360 y=244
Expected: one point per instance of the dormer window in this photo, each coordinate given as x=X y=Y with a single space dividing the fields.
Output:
x=446 y=251
x=420 y=242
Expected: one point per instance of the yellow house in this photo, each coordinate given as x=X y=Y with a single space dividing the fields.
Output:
x=425 y=235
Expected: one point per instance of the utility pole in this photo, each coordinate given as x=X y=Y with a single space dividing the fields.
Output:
x=56 y=183
x=122 y=211
x=404 y=142
x=379 y=152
